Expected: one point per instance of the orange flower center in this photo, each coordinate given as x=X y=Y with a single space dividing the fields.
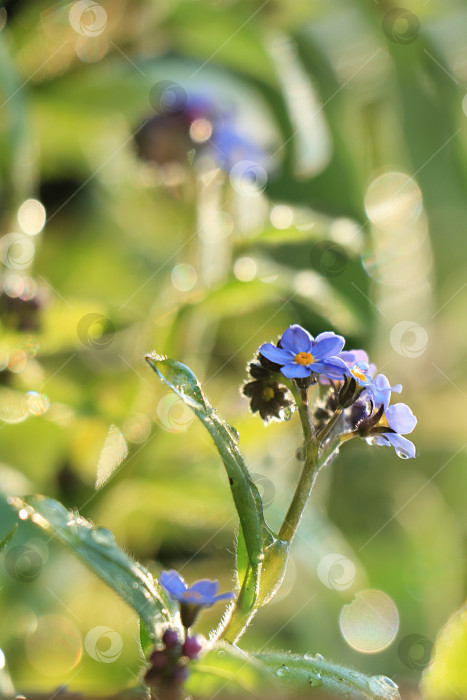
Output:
x=304 y=358
x=358 y=374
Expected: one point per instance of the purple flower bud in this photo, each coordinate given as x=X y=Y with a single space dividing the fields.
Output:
x=180 y=674
x=170 y=639
x=158 y=659
x=192 y=647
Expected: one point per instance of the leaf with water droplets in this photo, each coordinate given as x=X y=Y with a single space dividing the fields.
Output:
x=98 y=549
x=227 y=667
x=246 y=496
x=313 y=671
x=113 y=453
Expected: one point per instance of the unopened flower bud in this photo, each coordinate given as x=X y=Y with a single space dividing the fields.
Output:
x=191 y=647
x=170 y=639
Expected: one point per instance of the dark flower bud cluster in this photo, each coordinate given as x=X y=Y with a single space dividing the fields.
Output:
x=267 y=395
x=169 y=665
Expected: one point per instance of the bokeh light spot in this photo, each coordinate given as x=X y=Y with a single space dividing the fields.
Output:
x=55 y=647
x=393 y=200
x=201 y=130
x=31 y=216
x=369 y=624
x=184 y=277
x=245 y=269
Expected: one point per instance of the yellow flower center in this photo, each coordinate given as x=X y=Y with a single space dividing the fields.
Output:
x=358 y=374
x=268 y=393
x=304 y=358
x=383 y=422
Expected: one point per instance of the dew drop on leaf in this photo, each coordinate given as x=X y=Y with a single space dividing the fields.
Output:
x=103 y=536
x=383 y=688
x=282 y=671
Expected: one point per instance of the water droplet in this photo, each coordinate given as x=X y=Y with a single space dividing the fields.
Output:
x=103 y=536
x=135 y=585
x=23 y=514
x=282 y=671
x=287 y=413
x=234 y=434
x=221 y=652
x=383 y=688
x=315 y=681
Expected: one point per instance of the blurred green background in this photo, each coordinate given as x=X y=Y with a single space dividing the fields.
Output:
x=343 y=208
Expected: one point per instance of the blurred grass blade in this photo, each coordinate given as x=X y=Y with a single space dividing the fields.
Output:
x=4 y=542
x=112 y=455
x=245 y=493
x=307 y=672
x=99 y=551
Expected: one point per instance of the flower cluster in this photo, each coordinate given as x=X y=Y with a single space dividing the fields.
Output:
x=362 y=396
x=169 y=665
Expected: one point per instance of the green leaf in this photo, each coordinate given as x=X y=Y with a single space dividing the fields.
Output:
x=227 y=667
x=446 y=676
x=5 y=541
x=245 y=493
x=98 y=549
x=313 y=672
x=147 y=644
x=241 y=557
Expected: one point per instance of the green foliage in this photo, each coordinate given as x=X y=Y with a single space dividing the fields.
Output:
x=446 y=676
x=99 y=551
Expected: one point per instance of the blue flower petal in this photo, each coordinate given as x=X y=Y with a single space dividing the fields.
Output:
x=224 y=596
x=296 y=339
x=403 y=447
x=206 y=587
x=294 y=371
x=277 y=355
x=326 y=345
x=173 y=583
x=332 y=367
x=400 y=418
x=380 y=390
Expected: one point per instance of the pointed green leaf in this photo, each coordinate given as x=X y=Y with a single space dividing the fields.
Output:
x=245 y=493
x=99 y=551
x=313 y=672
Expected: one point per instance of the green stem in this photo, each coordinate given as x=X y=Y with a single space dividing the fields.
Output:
x=324 y=432
x=309 y=471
